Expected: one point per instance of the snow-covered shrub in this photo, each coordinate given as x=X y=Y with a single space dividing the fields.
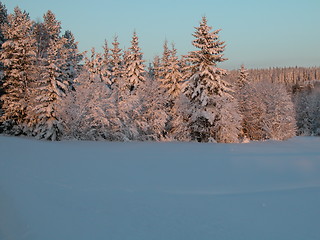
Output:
x=88 y=112
x=268 y=111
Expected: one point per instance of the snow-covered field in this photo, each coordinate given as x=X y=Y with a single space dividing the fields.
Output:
x=159 y=191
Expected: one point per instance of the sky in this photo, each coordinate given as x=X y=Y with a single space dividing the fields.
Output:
x=257 y=33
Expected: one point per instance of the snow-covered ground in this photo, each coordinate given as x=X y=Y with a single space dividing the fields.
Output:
x=159 y=191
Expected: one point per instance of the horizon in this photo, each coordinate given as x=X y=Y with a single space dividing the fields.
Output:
x=258 y=35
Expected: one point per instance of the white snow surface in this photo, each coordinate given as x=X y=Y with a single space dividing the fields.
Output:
x=75 y=190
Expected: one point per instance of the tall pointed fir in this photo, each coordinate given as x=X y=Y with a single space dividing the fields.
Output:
x=170 y=72
x=3 y=21
x=242 y=95
x=213 y=113
x=71 y=67
x=134 y=68
x=116 y=63
x=52 y=83
x=133 y=77
x=106 y=65
x=18 y=58
x=243 y=77
x=171 y=78
x=126 y=128
x=164 y=63
x=93 y=66
x=154 y=72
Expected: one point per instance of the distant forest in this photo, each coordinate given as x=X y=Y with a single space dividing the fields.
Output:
x=51 y=91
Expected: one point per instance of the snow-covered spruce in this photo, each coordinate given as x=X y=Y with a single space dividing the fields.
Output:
x=134 y=69
x=116 y=63
x=213 y=112
x=71 y=68
x=52 y=83
x=171 y=73
x=243 y=77
x=3 y=20
x=18 y=57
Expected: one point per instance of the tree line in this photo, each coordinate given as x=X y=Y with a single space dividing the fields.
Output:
x=49 y=90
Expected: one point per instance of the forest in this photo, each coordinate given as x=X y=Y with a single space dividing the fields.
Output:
x=49 y=90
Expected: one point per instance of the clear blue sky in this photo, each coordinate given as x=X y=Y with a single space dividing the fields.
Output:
x=258 y=33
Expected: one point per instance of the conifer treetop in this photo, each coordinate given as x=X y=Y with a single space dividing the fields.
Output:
x=116 y=51
x=19 y=24
x=134 y=64
x=211 y=48
x=3 y=20
x=203 y=75
x=243 y=77
x=52 y=25
x=135 y=49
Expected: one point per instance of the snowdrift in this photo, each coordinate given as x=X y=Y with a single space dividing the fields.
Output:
x=160 y=191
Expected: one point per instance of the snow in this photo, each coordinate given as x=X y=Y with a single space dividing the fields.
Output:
x=143 y=190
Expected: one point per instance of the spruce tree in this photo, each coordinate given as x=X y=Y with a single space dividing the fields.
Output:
x=164 y=63
x=173 y=76
x=93 y=65
x=134 y=67
x=129 y=101
x=241 y=93
x=106 y=65
x=213 y=114
x=242 y=79
x=3 y=21
x=116 y=63
x=71 y=67
x=154 y=71
x=52 y=83
x=18 y=57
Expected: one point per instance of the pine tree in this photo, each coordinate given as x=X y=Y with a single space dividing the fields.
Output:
x=134 y=67
x=106 y=65
x=93 y=66
x=129 y=104
x=242 y=96
x=242 y=79
x=116 y=63
x=154 y=71
x=213 y=112
x=171 y=76
x=3 y=21
x=52 y=83
x=18 y=57
x=164 y=63
x=71 y=67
